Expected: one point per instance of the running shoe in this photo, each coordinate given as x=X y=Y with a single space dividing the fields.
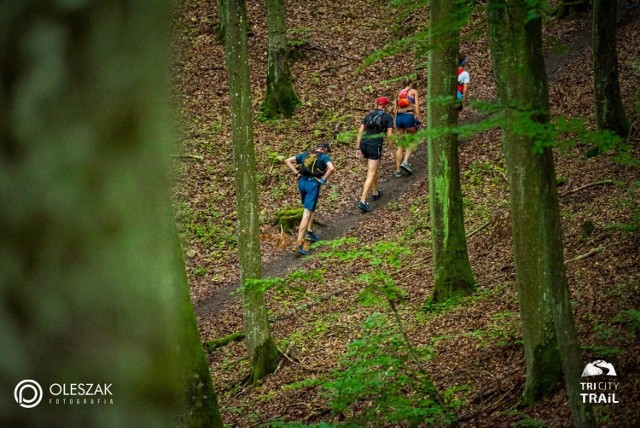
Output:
x=312 y=237
x=364 y=206
x=302 y=251
x=398 y=174
x=378 y=195
x=406 y=168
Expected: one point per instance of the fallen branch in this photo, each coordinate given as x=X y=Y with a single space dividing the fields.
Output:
x=194 y=157
x=586 y=186
x=335 y=67
x=470 y=234
x=212 y=345
x=588 y=254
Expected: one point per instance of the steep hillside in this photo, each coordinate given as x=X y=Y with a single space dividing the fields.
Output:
x=472 y=348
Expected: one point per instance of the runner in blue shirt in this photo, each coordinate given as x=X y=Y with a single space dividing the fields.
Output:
x=314 y=170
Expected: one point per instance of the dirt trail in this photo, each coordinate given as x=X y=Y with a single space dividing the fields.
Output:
x=394 y=188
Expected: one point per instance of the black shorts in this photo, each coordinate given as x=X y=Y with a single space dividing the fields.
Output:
x=371 y=150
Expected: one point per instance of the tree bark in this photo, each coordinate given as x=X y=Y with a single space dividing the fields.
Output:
x=610 y=114
x=263 y=353
x=218 y=28
x=548 y=330
x=200 y=405
x=452 y=271
x=281 y=99
x=86 y=281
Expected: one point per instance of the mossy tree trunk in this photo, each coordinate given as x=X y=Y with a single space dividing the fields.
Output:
x=281 y=99
x=218 y=28
x=610 y=112
x=452 y=271
x=86 y=282
x=549 y=337
x=200 y=405
x=263 y=352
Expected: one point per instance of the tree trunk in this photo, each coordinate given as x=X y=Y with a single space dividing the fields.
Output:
x=452 y=271
x=218 y=28
x=610 y=112
x=86 y=289
x=548 y=330
x=263 y=353
x=281 y=99
x=200 y=405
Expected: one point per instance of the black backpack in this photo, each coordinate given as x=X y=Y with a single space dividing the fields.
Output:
x=373 y=121
x=310 y=167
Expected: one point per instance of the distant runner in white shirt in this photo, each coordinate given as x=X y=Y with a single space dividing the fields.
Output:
x=463 y=83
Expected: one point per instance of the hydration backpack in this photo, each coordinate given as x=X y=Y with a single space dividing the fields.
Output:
x=403 y=98
x=310 y=167
x=374 y=121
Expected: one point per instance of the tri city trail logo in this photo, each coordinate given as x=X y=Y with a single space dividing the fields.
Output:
x=602 y=392
x=28 y=394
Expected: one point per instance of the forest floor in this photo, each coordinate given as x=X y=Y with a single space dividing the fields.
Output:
x=471 y=349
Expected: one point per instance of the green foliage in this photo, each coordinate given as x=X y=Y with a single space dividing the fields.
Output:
x=379 y=285
x=376 y=369
x=299 y=36
x=479 y=172
x=569 y=132
x=629 y=318
x=603 y=351
x=505 y=330
x=526 y=420
x=633 y=226
x=293 y=284
x=376 y=382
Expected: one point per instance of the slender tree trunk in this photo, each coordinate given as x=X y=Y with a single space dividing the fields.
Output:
x=263 y=353
x=200 y=405
x=281 y=99
x=86 y=282
x=548 y=330
x=610 y=112
x=218 y=28
x=452 y=271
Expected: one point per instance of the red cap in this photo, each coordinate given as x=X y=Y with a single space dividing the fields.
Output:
x=382 y=101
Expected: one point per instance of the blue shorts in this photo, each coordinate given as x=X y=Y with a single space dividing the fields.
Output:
x=309 y=192
x=406 y=120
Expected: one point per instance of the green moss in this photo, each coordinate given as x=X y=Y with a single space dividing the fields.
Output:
x=263 y=361
x=288 y=219
x=281 y=99
x=545 y=374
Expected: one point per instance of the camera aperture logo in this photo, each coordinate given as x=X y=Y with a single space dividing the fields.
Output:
x=28 y=394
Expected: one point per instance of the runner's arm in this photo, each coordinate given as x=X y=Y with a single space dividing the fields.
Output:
x=416 y=99
x=330 y=171
x=290 y=164
x=359 y=138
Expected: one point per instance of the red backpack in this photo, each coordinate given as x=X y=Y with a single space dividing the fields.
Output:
x=403 y=98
